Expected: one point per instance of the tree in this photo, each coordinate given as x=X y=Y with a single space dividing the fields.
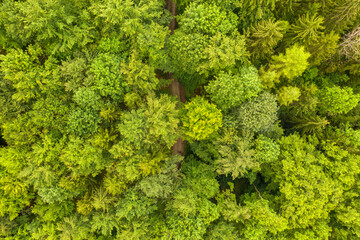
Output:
x=311 y=124
x=290 y=65
x=257 y=114
x=288 y=94
x=236 y=157
x=306 y=30
x=201 y=54
x=107 y=80
x=264 y=37
x=229 y=91
x=337 y=100
x=151 y=127
x=342 y=14
x=302 y=171
x=349 y=47
x=267 y=150
x=190 y=211
x=200 y=119
x=208 y=47
x=207 y=20
x=324 y=48
x=59 y=26
x=252 y=11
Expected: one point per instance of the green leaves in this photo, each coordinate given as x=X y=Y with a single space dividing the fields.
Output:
x=257 y=114
x=337 y=100
x=89 y=125
x=235 y=156
x=206 y=41
x=107 y=80
x=229 y=90
x=288 y=94
x=207 y=20
x=200 y=119
x=264 y=36
x=152 y=126
x=307 y=29
x=290 y=65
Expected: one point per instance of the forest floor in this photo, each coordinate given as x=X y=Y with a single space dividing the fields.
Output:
x=176 y=88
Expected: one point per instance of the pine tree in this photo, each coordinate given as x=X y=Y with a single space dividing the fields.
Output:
x=342 y=14
x=306 y=30
x=264 y=37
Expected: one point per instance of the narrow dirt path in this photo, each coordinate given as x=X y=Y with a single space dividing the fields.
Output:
x=176 y=88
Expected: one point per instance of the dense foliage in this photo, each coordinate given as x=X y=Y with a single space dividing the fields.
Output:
x=89 y=129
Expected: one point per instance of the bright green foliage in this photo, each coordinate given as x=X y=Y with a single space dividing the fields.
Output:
x=82 y=122
x=337 y=100
x=306 y=105
x=264 y=36
x=139 y=76
x=73 y=72
x=60 y=26
x=229 y=208
x=163 y=184
x=23 y=72
x=87 y=99
x=255 y=215
x=290 y=65
x=298 y=161
x=309 y=181
x=205 y=42
x=151 y=41
x=235 y=156
x=146 y=136
x=264 y=221
x=207 y=19
x=229 y=91
x=82 y=158
x=197 y=53
x=348 y=214
x=75 y=227
x=17 y=67
x=15 y=195
x=200 y=119
x=190 y=210
x=152 y=126
x=200 y=177
x=90 y=136
x=187 y=50
x=257 y=114
x=223 y=52
x=266 y=149
x=134 y=205
x=288 y=94
x=268 y=78
x=53 y=212
x=129 y=16
x=107 y=80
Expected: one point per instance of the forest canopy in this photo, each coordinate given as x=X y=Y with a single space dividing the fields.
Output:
x=185 y=119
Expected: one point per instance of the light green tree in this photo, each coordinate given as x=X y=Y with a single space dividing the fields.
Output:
x=200 y=119
x=337 y=100
x=290 y=65
x=288 y=94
